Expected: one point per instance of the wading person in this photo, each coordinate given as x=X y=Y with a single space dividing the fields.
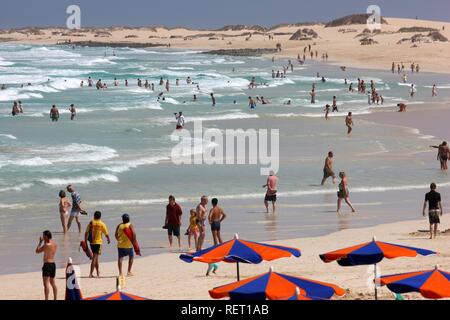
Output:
x=343 y=193
x=271 y=192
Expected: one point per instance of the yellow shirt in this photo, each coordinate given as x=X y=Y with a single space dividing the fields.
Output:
x=123 y=242
x=98 y=230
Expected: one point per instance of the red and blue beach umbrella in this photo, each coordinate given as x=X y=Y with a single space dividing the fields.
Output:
x=371 y=253
x=236 y=251
x=276 y=286
x=117 y=295
x=431 y=284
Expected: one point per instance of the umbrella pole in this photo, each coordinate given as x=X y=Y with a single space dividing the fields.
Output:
x=375 y=280
x=237 y=269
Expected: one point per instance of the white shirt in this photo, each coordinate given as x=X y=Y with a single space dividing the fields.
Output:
x=180 y=121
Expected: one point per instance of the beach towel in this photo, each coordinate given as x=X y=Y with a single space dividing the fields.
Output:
x=129 y=233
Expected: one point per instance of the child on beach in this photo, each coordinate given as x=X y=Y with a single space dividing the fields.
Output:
x=193 y=229
x=212 y=267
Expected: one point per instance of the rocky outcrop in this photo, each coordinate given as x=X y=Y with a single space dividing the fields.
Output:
x=351 y=19
x=240 y=27
x=304 y=34
x=416 y=29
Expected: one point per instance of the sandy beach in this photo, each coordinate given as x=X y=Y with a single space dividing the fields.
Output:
x=165 y=276
x=341 y=42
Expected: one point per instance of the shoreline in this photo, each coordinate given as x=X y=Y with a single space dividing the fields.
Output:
x=192 y=283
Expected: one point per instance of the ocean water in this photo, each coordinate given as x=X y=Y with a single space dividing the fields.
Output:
x=117 y=152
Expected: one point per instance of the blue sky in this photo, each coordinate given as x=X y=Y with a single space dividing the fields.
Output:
x=207 y=13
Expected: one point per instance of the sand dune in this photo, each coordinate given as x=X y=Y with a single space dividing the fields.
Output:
x=342 y=43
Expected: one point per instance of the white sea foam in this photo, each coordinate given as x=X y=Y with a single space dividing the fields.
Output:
x=16 y=188
x=79 y=180
x=9 y=136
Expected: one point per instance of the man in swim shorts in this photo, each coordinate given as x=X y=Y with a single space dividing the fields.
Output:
x=47 y=246
x=271 y=192
x=124 y=244
x=328 y=169
x=94 y=233
x=215 y=217
x=54 y=113
x=173 y=220
x=433 y=199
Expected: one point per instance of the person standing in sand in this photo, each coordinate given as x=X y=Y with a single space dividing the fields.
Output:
x=215 y=218
x=64 y=206
x=349 y=122
x=328 y=169
x=201 y=218
x=271 y=192
x=433 y=199
x=173 y=221
x=47 y=246
x=76 y=208
x=343 y=193
x=124 y=244
x=94 y=233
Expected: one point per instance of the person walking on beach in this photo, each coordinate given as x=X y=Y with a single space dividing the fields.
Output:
x=94 y=234
x=343 y=193
x=443 y=154
x=349 y=122
x=434 y=91
x=271 y=192
x=73 y=111
x=48 y=247
x=215 y=218
x=334 y=105
x=327 y=111
x=76 y=208
x=412 y=90
x=173 y=220
x=201 y=217
x=328 y=169
x=54 y=113
x=124 y=244
x=433 y=199
x=64 y=205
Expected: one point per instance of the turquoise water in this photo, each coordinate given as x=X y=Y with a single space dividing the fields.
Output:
x=117 y=152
